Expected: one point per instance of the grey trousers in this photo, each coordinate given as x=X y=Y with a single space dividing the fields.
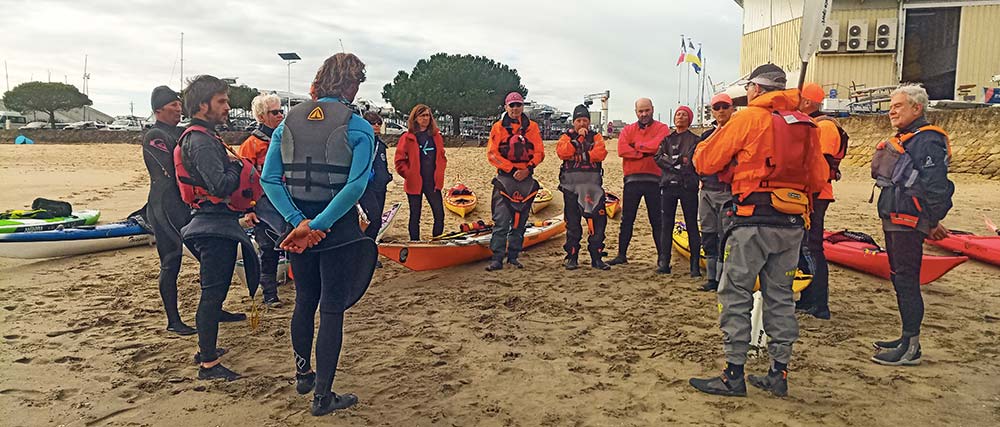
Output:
x=710 y=206
x=771 y=253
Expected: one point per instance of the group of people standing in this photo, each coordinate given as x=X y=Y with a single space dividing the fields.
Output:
x=758 y=183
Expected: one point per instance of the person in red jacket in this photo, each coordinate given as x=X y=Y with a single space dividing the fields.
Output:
x=420 y=160
x=637 y=145
x=580 y=180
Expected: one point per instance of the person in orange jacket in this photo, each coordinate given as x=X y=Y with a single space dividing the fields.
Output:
x=815 y=299
x=773 y=153
x=420 y=160
x=580 y=180
x=267 y=110
x=515 y=148
x=637 y=145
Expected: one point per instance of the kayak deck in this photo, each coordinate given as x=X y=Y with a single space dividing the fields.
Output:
x=872 y=259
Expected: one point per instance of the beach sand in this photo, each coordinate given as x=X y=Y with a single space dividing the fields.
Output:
x=83 y=340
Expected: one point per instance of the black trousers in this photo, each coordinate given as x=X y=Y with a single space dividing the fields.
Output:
x=817 y=294
x=572 y=213
x=316 y=281
x=265 y=237
x=632 y=194
x=437 y=210
x=166 y=219
x=218 y=259
x=906 y=250
x=669 y=199
x=373 y=202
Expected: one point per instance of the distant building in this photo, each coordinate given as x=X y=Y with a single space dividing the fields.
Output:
x=951 y=46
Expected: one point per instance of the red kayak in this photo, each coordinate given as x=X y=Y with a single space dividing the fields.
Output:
x=860 y=252
x=982 y=248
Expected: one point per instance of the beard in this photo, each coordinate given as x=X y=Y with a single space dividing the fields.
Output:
x=216 y=116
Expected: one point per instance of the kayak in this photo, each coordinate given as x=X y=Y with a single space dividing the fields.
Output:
x=982 y=248
x=682 y=246
x=460 y=199
x=462 y=249
x=387 y=218
x=612 y=204
x=542 y=200
x=73 y=241
x=84 y=217
x=859 y=251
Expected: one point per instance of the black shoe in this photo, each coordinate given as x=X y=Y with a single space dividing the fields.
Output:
x=620 y=259
x=663 y=268
x=323 y=405
x=774 y=382
x=819 y=313
x=599 y=264
x=710 y=286
x=571 y=263
x=721 y=385
x=219 y=351
x=887 y=345
x=304 y=383
x=232 y=317
x=695 y=273
x=515 y=262
x=217 y=371
x=272 y=301
x=903 y=355
x=181 y=329
x=495 y=265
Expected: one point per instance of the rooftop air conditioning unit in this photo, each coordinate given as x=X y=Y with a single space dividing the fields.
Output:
x=885 y=34
x=857 y=35
x=830 y=41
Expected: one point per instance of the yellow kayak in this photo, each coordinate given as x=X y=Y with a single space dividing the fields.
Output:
x=681 y=245
x=460 y=199
x=542 y=200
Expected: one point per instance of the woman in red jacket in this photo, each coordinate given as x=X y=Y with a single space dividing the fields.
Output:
x=421 y=162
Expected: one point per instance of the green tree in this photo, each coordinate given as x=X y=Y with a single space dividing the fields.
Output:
x=455 y=85
x=45 y=97
x=242 y=96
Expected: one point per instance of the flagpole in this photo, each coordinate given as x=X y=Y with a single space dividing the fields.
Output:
x=679 y=71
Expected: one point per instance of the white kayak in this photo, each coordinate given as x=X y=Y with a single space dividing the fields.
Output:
x=73 y=241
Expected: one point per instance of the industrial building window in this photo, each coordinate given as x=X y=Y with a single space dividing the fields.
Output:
x=930 y=49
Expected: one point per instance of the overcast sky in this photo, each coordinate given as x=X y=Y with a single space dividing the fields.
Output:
x=562 y=49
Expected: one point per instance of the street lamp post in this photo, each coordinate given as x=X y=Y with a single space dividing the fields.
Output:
x=290 y=58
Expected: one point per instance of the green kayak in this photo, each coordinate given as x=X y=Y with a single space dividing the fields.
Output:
x=84 y=217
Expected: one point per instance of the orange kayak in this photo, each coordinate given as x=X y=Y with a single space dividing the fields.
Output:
x=612 y=204
x=433 y=255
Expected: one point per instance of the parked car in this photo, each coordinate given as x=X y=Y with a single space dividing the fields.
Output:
x=37 y=125
x=125 y=124
x=15 y=120
x=390 y=128
x=83 y=126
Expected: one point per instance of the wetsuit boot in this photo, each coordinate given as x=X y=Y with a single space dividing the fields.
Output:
x=620 y=259
x=662 y=264
x=775 y=382
x=325 y=404
x=598 y=263
x=496 y=263
x=304 y=383
x=571 y=262
x=695 y=265
x=512 y=259
x=906 y=354
x=887 y=345
x=711 y=269
x=730 y=383
x=269 y=283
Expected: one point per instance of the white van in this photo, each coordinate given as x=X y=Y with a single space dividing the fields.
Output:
x=12 y=120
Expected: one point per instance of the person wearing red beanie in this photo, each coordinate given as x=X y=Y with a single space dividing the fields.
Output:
x=678 y=184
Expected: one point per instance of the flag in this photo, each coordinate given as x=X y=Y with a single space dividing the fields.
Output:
x=683 y=56
x=697 y=63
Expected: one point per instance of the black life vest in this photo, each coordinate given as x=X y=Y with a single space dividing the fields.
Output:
x=581 y=164
x=515 y=147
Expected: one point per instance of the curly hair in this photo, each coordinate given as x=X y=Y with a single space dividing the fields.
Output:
x=200 y=90
x=411 y=122
x=338 y=73
x=373 y=118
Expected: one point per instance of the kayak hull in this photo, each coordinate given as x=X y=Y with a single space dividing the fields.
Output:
x=73 y=241
x=980 y=248
x=79 y=218
x=682 y=246
x=612 y=204
x=868 y=258
x=542 y=200
x=433 y=255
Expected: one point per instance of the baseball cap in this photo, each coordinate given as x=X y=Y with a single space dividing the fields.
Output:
x=722 y=97
x=513 y=97
x=813 y=92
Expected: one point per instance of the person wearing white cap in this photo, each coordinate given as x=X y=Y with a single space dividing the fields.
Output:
x=713 y=197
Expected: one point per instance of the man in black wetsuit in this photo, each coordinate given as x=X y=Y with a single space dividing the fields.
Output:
x=166 y=213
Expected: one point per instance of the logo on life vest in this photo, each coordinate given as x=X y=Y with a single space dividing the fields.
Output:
x=316 y=114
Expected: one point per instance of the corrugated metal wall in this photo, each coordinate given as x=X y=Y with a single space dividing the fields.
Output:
x=754 y=50
x=978 y=48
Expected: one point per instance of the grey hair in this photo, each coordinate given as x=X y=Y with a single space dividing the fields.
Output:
x=914 y=92
x=260 y=102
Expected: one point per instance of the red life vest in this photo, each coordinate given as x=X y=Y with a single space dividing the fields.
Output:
x=241 y=200
x=515 y=147
x=834 y=159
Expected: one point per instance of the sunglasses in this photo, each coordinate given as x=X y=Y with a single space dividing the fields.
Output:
x=515 y=105
x=748 y=85
x=721 y=106
x=276 y=112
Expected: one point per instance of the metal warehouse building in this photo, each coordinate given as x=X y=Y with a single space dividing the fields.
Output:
x=951 y=46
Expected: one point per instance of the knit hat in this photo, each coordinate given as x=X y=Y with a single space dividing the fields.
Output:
x=813 y=92
x=581 y=111
x=769 y=76
x=685 y=108
x=163 y=95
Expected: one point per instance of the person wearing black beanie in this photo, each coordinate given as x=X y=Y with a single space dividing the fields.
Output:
x=580 y=179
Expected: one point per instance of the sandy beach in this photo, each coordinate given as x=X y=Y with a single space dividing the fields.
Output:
x=84 y=341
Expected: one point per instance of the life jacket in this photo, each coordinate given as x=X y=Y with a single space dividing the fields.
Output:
x=315 y=151
x=894 y=172
x=515 y=147
x=781 y=190
x=587 y=144
x=834 y=159
x=194 y=193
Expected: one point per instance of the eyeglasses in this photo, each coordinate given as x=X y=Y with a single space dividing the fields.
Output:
x=276 y=112
x=747 y=86
x=515 y=105
x=721 y=106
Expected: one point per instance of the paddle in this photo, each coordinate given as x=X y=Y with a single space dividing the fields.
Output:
x=815 y=14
